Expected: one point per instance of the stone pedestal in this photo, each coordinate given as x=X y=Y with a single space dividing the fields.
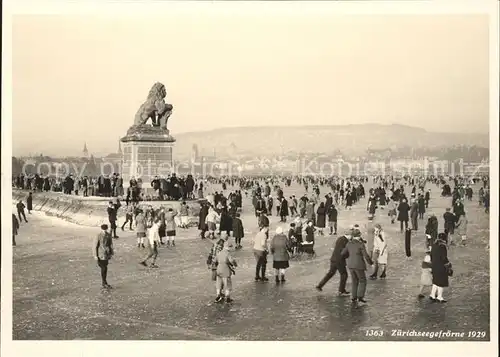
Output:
x=147 y=152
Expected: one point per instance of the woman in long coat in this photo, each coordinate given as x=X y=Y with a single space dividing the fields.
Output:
x=348 y=199
x=283 y=209
x=421 y=206
x=226 y=222
x=29 y=203
x=321 y=218
x=440 y=268
x=403 y=209
x=414 y=215
x=280 y=246
x=202 y=224
x=372 y=207
x=310 y=215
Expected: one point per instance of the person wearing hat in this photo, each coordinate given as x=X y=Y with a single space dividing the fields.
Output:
x=357 y=256
x=102 y=250
x=225 y=269
x=279 y=247
x=441 y=268
x=338 y=263
x=238 y=230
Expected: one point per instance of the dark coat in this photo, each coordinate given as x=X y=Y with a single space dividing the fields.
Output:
x=440 y=263
x=321 y=217
x=403 y=209
x=372 y=205
x=226 y=222
x=15 y=224
x=284 y=208
x=449 y=222
x=263 y=221
x=203 y=215
x=421 y=205
x=356 y=254
x=29 y=203
x=332 y=214
x=280 y=245
x=309 y=234
x=337 y=257
x=238 y=231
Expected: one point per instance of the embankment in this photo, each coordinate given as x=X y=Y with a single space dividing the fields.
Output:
x=85 y=211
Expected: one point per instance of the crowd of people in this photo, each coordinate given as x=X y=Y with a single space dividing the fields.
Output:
x=301 y=219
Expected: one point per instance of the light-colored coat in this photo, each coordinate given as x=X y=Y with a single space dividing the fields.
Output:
x=260 y=242
x=461 y=226
x=212 y=216
x=140 y=222
x=153 y=234
x=224 y=262
x=170 y=220
x=381 y=246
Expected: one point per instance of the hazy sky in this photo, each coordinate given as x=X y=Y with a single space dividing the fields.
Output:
x=82 y=78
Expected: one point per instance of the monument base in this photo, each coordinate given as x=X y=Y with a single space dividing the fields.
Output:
x=147 y=152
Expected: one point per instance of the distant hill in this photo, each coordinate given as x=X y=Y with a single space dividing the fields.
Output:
x=350 y=139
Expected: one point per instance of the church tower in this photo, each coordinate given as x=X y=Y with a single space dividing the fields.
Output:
x=85 y=151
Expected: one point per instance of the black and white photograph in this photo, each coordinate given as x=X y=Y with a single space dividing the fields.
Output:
x=314 y=172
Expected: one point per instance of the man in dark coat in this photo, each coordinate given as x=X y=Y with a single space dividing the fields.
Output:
x=332 y=219
x=20 y=211
x=112 y=217
x=458 y=208
x=337 y=263
x=102 y=250
x=356 y=254
x=283 y=209
x=29 y=203
x=449 y=224
x=427 y=198
x=403 y=218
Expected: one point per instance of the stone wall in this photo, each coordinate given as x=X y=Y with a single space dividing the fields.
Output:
x=85 y=211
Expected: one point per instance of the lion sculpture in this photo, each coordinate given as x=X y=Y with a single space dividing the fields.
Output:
x=154 y=108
